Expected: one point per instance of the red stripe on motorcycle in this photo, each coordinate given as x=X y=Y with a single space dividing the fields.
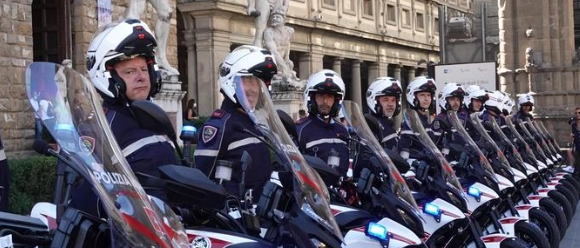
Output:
x=524 y=207
x=493 y=239
x=509 y=220
x=401 y=238
x=535 y=197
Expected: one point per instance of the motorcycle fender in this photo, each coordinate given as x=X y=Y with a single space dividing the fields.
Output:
x=524 y=210
x=530 y=169
x=494 y=240
x=46 y=212
x=508 y=224
x=535 y=199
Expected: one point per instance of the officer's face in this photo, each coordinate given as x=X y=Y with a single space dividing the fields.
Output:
x=136 y=76
x=424 y=99
x=389 y=104
x=324 y=102
x=476 y=105
x=454 y=103
x=526 y=108
x=251 y=89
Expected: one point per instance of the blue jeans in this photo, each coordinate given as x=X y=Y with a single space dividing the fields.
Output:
x=37 y=128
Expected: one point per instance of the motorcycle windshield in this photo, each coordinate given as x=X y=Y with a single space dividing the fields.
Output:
x=543 y=138
x=356 y=120
x=456 y=124
x=81 y=130
x=310 y=192
x=412 y=118
x=545 y=130
x=497 y=130
x=526 y=132
x=516 y=134
x=476 y=123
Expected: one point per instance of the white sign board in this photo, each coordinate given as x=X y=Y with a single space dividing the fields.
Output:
x=483 y=74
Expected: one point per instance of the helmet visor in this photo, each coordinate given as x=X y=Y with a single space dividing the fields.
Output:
x=248 y=91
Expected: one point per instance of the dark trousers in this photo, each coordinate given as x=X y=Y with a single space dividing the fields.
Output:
x=4 y=184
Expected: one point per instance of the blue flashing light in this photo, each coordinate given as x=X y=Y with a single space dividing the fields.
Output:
x=188 y=128
x=473 y=191
x=432 y=210
x=377 y=231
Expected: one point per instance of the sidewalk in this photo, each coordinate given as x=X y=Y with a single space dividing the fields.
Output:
x=572 y=239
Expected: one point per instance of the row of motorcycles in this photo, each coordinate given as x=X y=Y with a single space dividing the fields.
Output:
x=503 y=190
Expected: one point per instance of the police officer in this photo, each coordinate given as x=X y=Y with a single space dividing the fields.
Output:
x=229 y=132
x=121 y=65
x=319 y=133
x=575 y=125
x=474 y=99
x=384 y=102
x=420 y=97
x=492 y=107
x=4 y=179
x=443 y=133
x=525 y=106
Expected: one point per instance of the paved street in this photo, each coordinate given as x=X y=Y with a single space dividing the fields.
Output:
x=572 y=239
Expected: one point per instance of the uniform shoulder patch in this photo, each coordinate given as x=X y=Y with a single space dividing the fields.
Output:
x=436 y=125
x=208 y=133
x=218 y=114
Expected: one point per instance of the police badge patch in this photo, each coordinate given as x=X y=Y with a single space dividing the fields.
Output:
x=87 y=144
x=208 y=133
x=436 y=125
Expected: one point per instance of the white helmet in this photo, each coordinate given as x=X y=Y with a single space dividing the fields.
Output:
x=129 y=39
x=384 y=86
x=474 y=92
x=420 y=84
x=525 y=99
x=245 y=61
x=324 y=81
x=494 y=102
x=450 y=90
x=508 y=104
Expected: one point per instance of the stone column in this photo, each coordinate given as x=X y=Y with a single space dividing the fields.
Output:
x=189 y=37
x=337 y=65
x=397 y=72
x=356 y=82
x=411 y=72
x=373 y=72
x=304 y=59
x=213 y=46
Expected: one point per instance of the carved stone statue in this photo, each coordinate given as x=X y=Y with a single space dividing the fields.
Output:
x=162 y=27
x=277 y=40
x=261 y=10
x=529 y=57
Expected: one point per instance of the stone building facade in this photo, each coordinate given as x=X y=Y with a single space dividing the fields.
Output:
x=360 y=39
x=548 y=68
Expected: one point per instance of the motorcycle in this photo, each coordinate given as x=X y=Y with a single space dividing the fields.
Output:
x=89 y=150
x=533 y=225
x=527 y=193
x=539 y=184
x=438 y=179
